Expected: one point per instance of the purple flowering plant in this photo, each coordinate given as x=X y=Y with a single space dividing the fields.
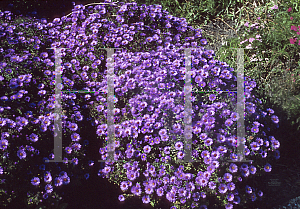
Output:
x=149 y=109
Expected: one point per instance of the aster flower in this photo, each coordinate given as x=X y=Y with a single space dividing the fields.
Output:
x=231 y=186
x=178 y=145
x=222 y=188
x=123 y=186
x=76 y=146
x=180 y=155
x=35 y=181
x=3 y=144
x=75 y=161
x=48 y=188
x=33 y=137
x=68 y=150
x=121 y=198
x=75 y=137
x=58 y=181
x=65 y=179
x=21 y=154
x=215 y=163
x=255 y=129
x=201 y=181
x=208 y=142
x=2 y=121
x=248 y=189
x=252 y=169
x=227 y=177
x=245 y=172
x=136 y=191
x=276 y=154
x=275 y=144
x=146 y=199
x=267 y=167
x=254 y=146
x=260 y=193
x=205 y=154
x=47 y=177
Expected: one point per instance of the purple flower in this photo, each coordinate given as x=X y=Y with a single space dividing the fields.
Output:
x=21 y=154
x=212 y=97
x=65 y=179
x=160 y=192
x=254 y=146
x=148 y=190
x=33 y=137
x=75 y=137
x=177 y=127
x=228 y=205
x=227 y=177
x=228 y=122
x=35 y=181
x=121 y=198
x=205 y=154
x=203 y=41
x=146 y=199
x=245 y=172
x=147 y=149
x=131 y=175
x=2 y=121
x=76 y=146
x=201 y=181
x=162 y=132
x=230 y=197
x=208 y=142
x=236 y=200
x=260 y=193
x=124 y=186
x=3 y=144
x=48 y=188
x=248 y=189
x=255 y=129
x=231 y=186
x=277 y=154
x=47 y=177
x=180 y=155
x=58 y=181
x=275 y=144
x=222 y=188
x=171 y=196
x=203 y=136
x=73 y=127
x=136 y=191
x=266 y=143
x=207 y=160
x=252 y=169
x=178 y=145
x=75 y=161
x=68 y=150
x=267 y=167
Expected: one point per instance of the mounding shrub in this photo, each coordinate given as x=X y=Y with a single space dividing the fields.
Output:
x=149 y=109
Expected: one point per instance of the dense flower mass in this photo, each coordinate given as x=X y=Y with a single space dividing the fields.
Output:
x=149 y=106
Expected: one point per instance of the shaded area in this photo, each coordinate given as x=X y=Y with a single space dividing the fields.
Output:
x=48 y=9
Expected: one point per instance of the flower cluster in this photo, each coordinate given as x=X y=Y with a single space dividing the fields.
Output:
x=294 y=28
x=149 y=107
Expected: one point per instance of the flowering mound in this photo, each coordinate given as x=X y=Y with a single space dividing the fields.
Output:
x=149 y=107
